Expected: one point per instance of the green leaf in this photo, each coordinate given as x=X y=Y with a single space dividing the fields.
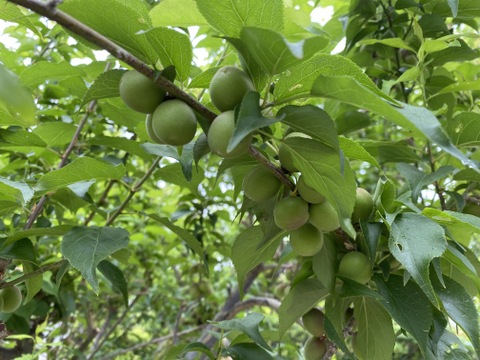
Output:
x=247 y=351
x=467 y=175
x=415 y=241
x=16 y=97
x=180 y=13
x=106 y=85
x=274 y=53
x=183 y=234
x=203 y=79
x=115 y=276
x=12 y=13
x=409 y=307
x=300 y=79
x=354 y=150
x=461 y=308
x=33 y=284
x=464 y=128
x=417 y=119
x=172 y=48
x=325 y=171
x=130 y=146
x=393 y=42
x=17 y=191
x=199 y=347
x=324 y=263
x=460 y=225
x=42 y=71
x=229 y=17
x=7 y=119
x=249 y=325
x=81 y=169
x=418 y=179
x=51 y=231
x=55 y=133
x=334 y=321
x=249 y=250
x=85 y=247
x=461 y=86
x=375 y=336
x=130 y=18
x=249 y=118
x=20 y=138
x=174 y=174
x=185 y=159
x=390 y=151
x=301 y=298
x=312 y=121
x=22 y=250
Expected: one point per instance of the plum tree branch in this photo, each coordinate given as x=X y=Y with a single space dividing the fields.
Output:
x=79 y=28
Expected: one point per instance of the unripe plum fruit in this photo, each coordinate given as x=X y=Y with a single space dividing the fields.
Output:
x=313 y=322
x=228 y=87
x=221 y=132
x=140 y=92
x=284 y=154
x=290 y=213
x=363 y=205
x=174 y=123
x=307 y=240
x=324 y=217
x=150 y=132
x=12 y=299
x=260 y=184
x=308 y=193
x=314 y=349
x=355 y=266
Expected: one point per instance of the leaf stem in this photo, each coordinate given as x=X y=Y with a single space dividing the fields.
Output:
x=32 y=274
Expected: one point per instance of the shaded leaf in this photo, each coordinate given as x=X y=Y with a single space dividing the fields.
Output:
x=106 y=85
x=375 y=337
x=115 y=276
x=248 y=325
x=247 y=351
x=415 y=241
x=249 y=250
x=301 y=298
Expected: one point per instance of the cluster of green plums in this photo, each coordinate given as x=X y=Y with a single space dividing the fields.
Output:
x=315 y=347
x=173 y=122
x=307 y=215
x=10 y=299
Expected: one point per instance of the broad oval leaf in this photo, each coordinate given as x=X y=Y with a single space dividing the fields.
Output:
x=274 y=53
x=85 y=247
x=81 y=169
x=415 y=241
x=301 y=298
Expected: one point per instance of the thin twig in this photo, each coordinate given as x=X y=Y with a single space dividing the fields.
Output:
x=133 y=191
x=77 y=27
x=32 y=274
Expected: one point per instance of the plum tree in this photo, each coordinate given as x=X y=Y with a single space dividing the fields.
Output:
x=150 y=132
x=228 y=87
x=221 y=132
x=307 y=193
x=290 y=213
x=314 y=349
x=324 y=216
x=174 y=122
x=307 y=240
x=363 y=205
x=355 y=266
x=284 y=154
x=139 y=92
x=12 y=299
x=313 y=322
x=260 y=184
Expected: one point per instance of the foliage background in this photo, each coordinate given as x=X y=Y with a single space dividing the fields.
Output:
x=77 y=170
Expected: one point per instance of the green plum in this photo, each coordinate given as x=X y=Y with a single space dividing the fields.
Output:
x=139 y=92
